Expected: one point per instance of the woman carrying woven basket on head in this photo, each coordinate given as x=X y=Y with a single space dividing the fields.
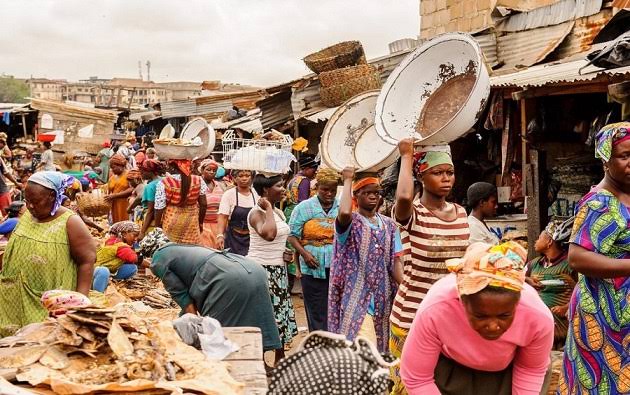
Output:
x=180 y=203
x=119 y=188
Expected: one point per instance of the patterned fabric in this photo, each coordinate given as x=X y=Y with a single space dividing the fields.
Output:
x=292 y=200
x=172 y=190
x=397 y=337
x=360 y=272
x=56 y=181
x=555 y=295
x=281 y=301
x=608 y=136
x=59 y=301
x=428 y=242
x=210 y=223
x=152 y=242
x=184 y=165
x=596 y=351
x=37 y=259
x=181 y=224
x=315 y=229
x=119 y=228
x=423 y=161
x=484 y=266
x=560 y=231
x=118 y=184
x=326 y=364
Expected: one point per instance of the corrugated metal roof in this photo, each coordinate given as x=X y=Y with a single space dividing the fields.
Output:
x=562 y=11
x=552 y=73
x=322 y=115
x=249 y=123
x=74 y=111
x=528 y=47
x=185 y=108
x=524 y=5
x=276 y=109
x=582 y=35
x=488 y=42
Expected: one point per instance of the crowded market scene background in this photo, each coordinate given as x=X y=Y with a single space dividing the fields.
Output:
x=445 y=219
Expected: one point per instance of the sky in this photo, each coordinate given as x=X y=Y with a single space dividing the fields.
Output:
x=256 y=42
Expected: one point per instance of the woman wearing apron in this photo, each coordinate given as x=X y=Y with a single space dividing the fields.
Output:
x=234 y=208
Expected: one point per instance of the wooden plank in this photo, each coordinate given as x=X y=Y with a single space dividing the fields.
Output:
x=250 y=373
x=250 y=341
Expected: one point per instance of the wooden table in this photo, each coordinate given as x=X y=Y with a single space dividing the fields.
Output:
x=247 y=363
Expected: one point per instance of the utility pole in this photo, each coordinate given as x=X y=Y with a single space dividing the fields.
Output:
x=148 y=70
x=140 y=69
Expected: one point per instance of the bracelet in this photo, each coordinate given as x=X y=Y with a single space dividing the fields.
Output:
x=221 y=236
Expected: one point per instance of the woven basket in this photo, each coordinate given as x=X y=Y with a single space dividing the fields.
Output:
x=337 y=86
x=347 y=53
x=93 y=203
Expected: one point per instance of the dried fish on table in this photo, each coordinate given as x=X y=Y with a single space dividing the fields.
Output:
x=114 y=350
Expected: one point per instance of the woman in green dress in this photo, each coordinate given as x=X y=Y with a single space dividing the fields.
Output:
x=225 y=286
x=51 y=248
x=552 y=276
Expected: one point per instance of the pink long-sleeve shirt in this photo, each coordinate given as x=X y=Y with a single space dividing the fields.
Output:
x=441 y=327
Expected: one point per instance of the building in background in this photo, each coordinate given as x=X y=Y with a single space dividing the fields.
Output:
x=43 y=88
x=182 y=90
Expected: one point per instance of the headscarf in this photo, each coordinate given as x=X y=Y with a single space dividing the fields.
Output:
x=134 y=174
x=484 y=265
x=121 y=227
x=184 y=165
x=152 y=242
x=208 y=162
x=55 y=181
x=307 y=161
x=560 y=231
x=609 y=136
x=327 y=176
x=153 y=166
x=431 y=156
x=118 y=160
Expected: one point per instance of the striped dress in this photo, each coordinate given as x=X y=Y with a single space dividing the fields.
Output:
x=427 y=243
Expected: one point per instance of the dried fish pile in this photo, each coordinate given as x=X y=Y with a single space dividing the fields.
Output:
x=147 y=289
x=96 y=349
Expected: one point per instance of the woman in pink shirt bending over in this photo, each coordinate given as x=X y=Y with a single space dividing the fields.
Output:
x=480 y=329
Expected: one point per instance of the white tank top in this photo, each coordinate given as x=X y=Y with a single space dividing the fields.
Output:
x=268 y=253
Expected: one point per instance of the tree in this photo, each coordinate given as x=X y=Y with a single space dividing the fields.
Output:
x=13 y=90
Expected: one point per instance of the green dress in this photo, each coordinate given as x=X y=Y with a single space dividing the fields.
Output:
x=37 y=259
x=225 y=286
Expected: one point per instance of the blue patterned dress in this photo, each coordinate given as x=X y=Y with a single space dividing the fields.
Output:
x=596 y=356
x=360 y=271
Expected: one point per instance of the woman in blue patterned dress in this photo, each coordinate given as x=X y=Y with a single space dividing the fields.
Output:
x=596 y=356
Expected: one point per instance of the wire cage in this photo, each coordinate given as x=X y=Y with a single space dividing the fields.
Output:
x=263 y=155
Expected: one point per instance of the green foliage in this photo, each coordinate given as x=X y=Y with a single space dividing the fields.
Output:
x=13 y=90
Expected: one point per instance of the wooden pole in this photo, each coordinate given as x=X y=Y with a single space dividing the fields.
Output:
x=24 y=125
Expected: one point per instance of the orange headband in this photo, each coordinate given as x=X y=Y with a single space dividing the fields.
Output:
x=365 y=182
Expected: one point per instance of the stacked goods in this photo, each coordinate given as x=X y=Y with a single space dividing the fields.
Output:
x=146 y=289
x=347 y=53
x=269 y=153
x=339 y=85
x=112 y=350
x=343 y=72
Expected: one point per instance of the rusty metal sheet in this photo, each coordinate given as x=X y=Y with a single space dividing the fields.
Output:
x=621 y=3
x=583 y=34
x=562 y=11
x=528 y=47
x=524 y=5
x=552 y=73
x=276 y=109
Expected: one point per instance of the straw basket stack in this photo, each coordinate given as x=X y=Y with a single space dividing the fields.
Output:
x=343 y=72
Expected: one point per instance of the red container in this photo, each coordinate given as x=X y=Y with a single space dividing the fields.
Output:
x=46 y=137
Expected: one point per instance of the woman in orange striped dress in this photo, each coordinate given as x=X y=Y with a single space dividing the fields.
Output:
x=180 y=203
x=208 y=169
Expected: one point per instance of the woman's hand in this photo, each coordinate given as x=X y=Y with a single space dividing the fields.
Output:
x=288 y=256
x=220 y=242
x=560 y=310
x=264 y=204
x=310 y=260
x=405 y=147
x=347 y=173
x=534 y=283
x=109 y=198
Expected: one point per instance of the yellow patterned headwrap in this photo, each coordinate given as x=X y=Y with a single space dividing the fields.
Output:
x=484 y=265
x=327 y=176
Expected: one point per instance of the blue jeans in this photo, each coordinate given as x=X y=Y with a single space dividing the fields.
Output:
x=101 y=275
